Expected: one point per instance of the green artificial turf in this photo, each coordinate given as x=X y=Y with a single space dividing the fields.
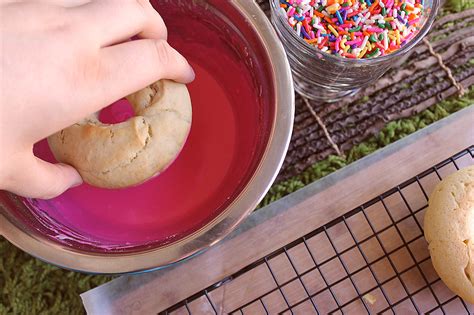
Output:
x=29 y=286
x=458 y=5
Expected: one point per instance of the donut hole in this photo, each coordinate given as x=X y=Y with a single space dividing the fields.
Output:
x=117 y=112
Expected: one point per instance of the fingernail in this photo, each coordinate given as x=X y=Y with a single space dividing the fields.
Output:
x=77 y=177
x=192 y=71
x=78 y=180
x=77 y=183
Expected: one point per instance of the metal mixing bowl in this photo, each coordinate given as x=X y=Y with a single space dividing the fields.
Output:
x=20 y=231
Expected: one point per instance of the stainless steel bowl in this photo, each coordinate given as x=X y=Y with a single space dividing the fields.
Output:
x=33 y=241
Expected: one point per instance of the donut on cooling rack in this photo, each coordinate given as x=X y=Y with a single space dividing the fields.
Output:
x=130 y=152
x=449 y=231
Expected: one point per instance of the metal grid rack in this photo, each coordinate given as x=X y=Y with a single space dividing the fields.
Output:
x=373 y=259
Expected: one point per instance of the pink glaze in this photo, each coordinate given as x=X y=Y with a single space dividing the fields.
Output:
x=117 y=112
x=232 y=113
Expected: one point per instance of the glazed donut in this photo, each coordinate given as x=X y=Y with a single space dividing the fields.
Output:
x=130 y=152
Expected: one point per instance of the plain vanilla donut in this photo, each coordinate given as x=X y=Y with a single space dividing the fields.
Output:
x=130 y=152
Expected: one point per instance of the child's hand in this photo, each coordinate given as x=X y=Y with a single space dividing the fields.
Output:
x=63 y=60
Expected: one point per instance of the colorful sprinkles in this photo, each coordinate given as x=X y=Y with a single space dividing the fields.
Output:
x=354 y=28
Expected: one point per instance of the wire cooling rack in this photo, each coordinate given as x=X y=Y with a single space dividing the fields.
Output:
x=373 y=259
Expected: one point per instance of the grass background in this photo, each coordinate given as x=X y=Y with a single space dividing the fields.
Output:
x=30 y=286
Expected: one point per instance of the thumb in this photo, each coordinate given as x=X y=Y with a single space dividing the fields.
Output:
x=36 y=178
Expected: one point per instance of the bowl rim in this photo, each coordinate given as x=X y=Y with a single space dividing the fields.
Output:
x=270 y=163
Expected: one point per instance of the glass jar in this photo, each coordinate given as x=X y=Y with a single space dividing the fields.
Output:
x=329 y=78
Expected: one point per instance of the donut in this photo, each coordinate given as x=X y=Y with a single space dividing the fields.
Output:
x=128 y=153
x=449 y=231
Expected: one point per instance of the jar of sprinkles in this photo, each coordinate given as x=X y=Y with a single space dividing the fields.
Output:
x=336 y=47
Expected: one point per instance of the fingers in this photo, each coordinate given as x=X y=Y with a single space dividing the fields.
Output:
x=64 y=3
x=130 y=66
x=36 y=178
x=144 y=61
x=111 y=21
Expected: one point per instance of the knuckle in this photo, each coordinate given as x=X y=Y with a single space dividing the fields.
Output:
x=89 y=68
x=58 y=20
x=45 y=14
x=142 y=6
x=163 y=52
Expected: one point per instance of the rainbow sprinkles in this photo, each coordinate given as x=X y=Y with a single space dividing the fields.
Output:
x=354 y=28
